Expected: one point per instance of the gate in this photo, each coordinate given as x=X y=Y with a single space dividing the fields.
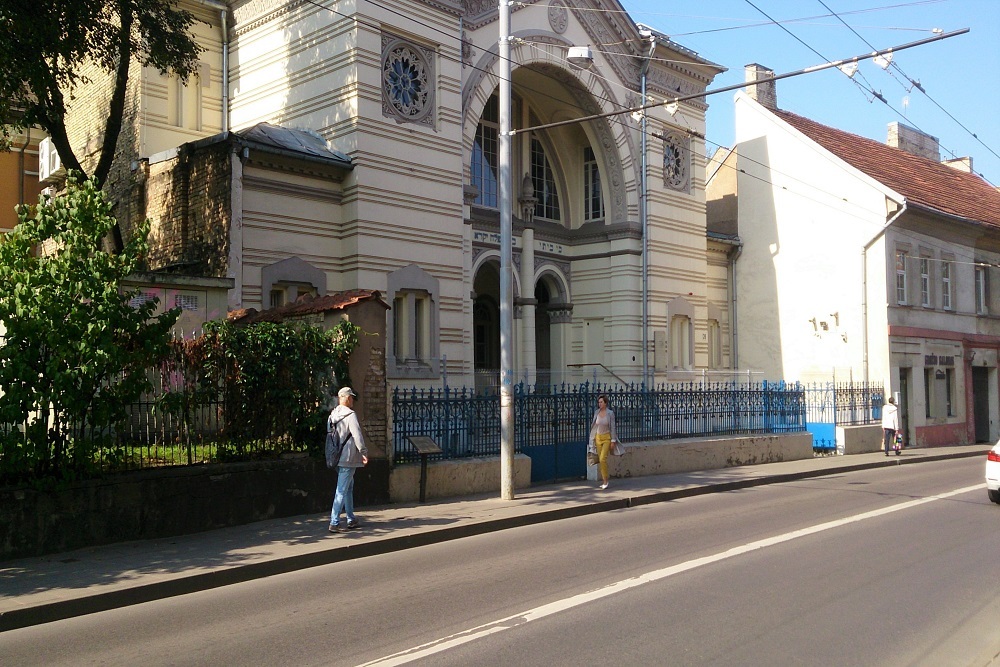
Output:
x=552 y=428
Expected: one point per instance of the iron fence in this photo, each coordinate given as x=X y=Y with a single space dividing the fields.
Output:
x=833 y=404
x=465 y=423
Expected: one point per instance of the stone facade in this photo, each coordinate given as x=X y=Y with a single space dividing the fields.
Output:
x=412 y=107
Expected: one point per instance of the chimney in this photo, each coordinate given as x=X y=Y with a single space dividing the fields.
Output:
x=762 y=93
x=913 y=141
x=960 y=163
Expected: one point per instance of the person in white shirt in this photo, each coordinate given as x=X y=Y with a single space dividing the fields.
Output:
x=890 y=425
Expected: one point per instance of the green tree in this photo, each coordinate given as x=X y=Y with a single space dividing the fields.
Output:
x=46 y=44
x=75 y=350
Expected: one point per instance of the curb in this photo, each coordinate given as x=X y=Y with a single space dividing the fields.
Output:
x=61 y=610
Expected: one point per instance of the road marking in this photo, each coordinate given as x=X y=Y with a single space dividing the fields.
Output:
x=510 y=622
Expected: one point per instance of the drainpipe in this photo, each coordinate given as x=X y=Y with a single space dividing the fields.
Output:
x=864 y=286
x=20 y=164
x=224 y=25
x=644 y=214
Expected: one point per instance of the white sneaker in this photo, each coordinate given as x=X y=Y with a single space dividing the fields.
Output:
x=604 y=486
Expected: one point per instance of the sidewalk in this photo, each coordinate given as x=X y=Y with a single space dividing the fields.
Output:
x=44 y=589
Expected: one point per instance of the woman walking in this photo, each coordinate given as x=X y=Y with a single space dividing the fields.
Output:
x=603 y=434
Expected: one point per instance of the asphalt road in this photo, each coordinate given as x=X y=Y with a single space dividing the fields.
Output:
x=893 y=566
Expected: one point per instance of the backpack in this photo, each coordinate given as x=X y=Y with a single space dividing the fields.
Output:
x=334 y=443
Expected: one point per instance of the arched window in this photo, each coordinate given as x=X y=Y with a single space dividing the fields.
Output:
x=544 y=182
x=485 y=152
x=593 y=201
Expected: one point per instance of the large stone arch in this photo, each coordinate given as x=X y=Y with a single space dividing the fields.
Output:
x=612 y=140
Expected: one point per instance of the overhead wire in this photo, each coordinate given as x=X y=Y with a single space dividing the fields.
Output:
x=623 y=123
x=916 y=84
x=876 y=94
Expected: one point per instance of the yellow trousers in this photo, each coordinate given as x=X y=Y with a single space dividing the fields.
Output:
x=603 y=442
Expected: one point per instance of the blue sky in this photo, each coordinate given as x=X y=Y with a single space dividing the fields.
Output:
x=961 y=74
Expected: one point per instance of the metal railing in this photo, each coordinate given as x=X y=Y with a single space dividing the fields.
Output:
x=833 y=404
x=465 y=423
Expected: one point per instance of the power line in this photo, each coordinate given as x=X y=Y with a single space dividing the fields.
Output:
x=916 y=84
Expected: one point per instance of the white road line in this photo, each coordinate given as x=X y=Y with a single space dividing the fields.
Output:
x=445 y=643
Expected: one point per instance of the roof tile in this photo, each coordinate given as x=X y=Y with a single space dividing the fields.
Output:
x=923 y=182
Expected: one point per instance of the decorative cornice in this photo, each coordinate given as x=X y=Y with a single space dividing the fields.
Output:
x=255 y=13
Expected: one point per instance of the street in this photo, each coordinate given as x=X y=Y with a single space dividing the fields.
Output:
x=891 y=566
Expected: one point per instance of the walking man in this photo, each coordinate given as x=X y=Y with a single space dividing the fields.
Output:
x=890 y=424
x=354 y=456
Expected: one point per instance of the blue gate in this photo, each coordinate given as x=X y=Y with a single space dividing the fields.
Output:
x=832 y=404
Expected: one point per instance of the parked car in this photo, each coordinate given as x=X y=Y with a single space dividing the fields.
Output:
x=993 y=473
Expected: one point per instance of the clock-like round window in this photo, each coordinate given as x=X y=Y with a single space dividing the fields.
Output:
x=406 y=84
x=675 y=162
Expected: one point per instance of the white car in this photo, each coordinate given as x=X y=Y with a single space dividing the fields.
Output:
x=993 y=473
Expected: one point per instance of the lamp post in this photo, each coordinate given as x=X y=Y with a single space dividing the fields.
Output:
x=580 y=57
x=506 y=264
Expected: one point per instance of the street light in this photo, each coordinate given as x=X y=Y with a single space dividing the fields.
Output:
x=580 y=56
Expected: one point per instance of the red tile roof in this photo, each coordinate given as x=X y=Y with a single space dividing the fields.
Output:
x=304 y=306
x=924 y=182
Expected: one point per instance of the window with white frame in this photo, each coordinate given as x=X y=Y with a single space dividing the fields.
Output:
x=593 y=202
x=925 y=282
x=901 y=277
x=714 y=344
x=680 y=341
x=412 y=351
x=485 y=152
x=981 y=290
x=946 y=285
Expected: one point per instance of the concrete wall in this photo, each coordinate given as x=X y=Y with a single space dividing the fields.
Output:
x=666 y=457
x=859 y=439
x=175 y=501
x=461 y=477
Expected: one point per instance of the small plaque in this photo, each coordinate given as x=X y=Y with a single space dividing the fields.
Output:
x=424 y=444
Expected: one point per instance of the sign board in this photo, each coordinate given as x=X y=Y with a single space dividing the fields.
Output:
x=424 y=444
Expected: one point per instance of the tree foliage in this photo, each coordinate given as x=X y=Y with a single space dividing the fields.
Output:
x=275 y=380
x=75 y=350
x=45 y=46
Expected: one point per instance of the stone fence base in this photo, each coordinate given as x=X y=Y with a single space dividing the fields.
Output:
x=456 y=477
x=665 y=457
x=859 y=439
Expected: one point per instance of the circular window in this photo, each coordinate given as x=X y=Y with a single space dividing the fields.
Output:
x=406 y=82
x=675 y=163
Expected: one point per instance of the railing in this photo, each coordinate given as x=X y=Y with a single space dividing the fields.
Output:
x=465 y=423
x=832 y=404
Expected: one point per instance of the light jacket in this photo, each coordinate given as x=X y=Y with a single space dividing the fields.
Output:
x=612 y=427
x=354 y=448
x=890 y=417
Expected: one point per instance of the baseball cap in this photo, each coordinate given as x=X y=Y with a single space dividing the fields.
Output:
x=345 y=392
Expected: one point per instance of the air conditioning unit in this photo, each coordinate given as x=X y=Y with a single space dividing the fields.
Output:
x=50 y=167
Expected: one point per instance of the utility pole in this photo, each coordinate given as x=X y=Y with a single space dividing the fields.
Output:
x=506 y=265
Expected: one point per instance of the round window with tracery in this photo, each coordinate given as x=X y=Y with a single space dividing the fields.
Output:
x=406 y=82
x=675 y=162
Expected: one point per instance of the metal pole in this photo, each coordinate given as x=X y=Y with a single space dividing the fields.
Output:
x=644 y=216
x=506 y=264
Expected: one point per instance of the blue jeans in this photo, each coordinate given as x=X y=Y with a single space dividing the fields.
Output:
x=343 y=499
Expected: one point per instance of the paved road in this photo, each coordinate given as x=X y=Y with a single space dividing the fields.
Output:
x=892 y=566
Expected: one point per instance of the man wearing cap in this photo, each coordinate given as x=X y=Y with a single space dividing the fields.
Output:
x=353 y=456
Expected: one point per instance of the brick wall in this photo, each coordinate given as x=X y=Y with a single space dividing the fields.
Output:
x=187 y=199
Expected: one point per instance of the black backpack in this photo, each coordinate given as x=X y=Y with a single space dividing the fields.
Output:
x=334 y=444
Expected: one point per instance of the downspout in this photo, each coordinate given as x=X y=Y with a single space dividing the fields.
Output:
x=225 y=70
x=864 y=286
x=644 y=216
x=734 y=331
x=223 y=10
x=20 y=164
